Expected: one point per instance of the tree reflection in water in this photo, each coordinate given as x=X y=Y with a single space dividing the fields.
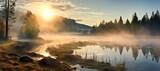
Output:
x=146 y=58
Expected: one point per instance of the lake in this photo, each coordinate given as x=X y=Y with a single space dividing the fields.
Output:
x=136 y=58
x=134 y=53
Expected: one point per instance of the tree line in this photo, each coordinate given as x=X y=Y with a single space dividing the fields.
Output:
x=146 y=25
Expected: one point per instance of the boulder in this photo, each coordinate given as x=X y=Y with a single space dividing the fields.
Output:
x=25 y=59
x=32 y=54
x=74 y=68
x=49 y=62
x=15 y=64
x=14 y=54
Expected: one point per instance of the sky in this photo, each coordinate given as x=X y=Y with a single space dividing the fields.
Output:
x=113 y=9
x=92 y=12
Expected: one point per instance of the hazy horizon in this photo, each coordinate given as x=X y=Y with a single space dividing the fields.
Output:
x=88 y=10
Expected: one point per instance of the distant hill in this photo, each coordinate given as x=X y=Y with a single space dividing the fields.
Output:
x=83 y=27
x=69 y=25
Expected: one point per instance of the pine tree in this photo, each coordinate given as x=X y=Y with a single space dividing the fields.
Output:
x=135 y=18
x=127 y=25
x=156 y=17
x=134 y=23
x=157 y=24
x=127 y=21
x=145 y=21
x=152 y=18
x=120 y=22
x=115 y=21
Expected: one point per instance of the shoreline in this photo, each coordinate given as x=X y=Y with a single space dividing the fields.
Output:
x=63 y=53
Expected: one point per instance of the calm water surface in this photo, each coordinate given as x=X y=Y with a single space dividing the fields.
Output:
x=144 y=58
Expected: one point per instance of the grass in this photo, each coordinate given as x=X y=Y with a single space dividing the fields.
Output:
x=11 y=63
x=6 y=45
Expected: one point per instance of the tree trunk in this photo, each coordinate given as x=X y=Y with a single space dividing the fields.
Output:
x=7 y=17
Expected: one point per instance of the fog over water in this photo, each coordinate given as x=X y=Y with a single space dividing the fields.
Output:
x=117 y=40
x=136 y=52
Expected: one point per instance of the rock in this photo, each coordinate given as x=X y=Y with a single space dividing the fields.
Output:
x=13 y=54
x=25 y=59
x=15 y=64
x=107 y=69
x=32 y=54
x=49 y=62
x=65 y=67
x=74 y=68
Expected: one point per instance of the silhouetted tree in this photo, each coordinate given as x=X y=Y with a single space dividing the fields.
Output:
x=135 y=18
x=115 y=21
x=93 y=29
x=103 y=22
x=101 y=25
x=128 y=24
x=134 y=23
x=120 y=22
x=120 y=25
x=145 y=22
x=157 y=23
x=136 y=26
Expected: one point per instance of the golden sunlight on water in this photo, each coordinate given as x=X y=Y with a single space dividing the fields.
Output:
x=42 y=50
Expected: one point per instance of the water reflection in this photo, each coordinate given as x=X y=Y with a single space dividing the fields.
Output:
x=144 y=58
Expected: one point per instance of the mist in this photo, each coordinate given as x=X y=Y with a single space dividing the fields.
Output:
x=56 y=33
x=48 y=31
x=51 y=30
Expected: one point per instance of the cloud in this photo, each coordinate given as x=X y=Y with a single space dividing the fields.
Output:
x=91 y=13
x=82 y=8
x=96 y=13
x=62 y=5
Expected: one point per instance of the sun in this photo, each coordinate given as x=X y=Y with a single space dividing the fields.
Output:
x=44 y=11
x=47 y=13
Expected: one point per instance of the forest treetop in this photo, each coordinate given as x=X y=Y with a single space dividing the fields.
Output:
x=149 y=25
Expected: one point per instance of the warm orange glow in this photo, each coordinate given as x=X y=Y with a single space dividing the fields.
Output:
x=44 y=11
x=47 y=13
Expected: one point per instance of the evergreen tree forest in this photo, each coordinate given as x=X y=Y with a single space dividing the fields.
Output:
x=146 y=25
